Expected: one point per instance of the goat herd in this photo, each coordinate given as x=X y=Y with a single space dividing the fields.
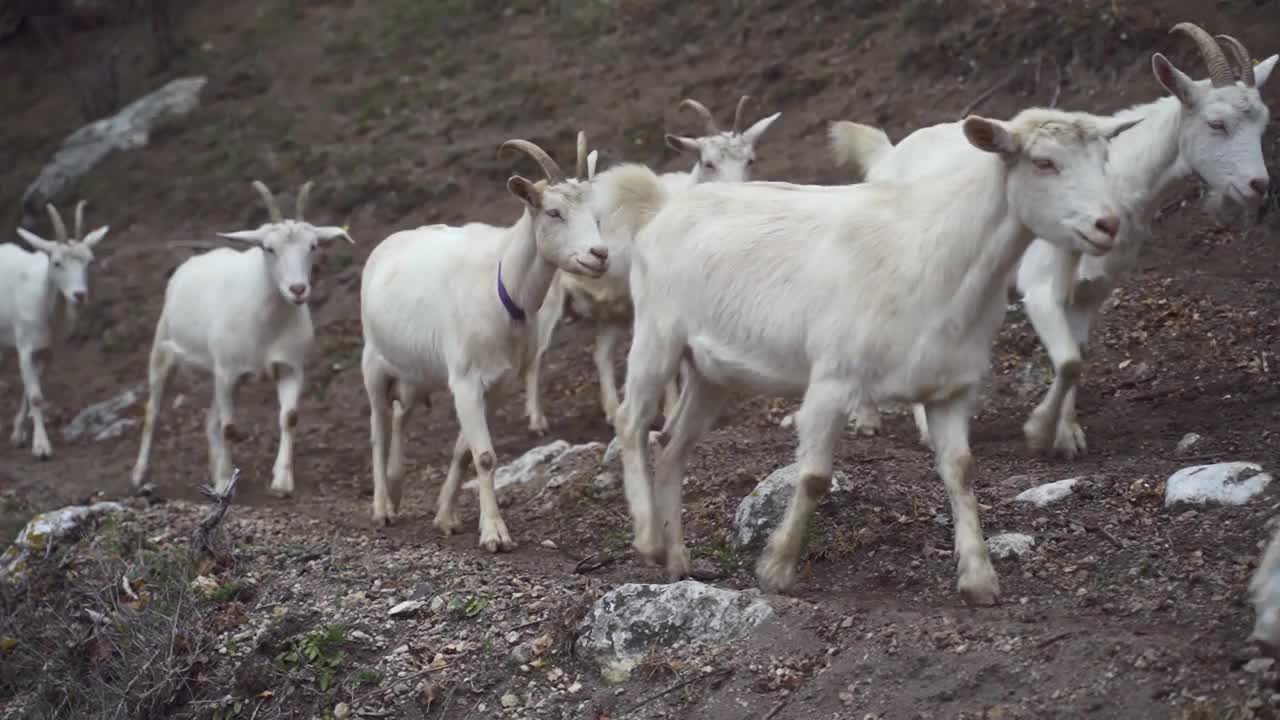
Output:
x=896 y=297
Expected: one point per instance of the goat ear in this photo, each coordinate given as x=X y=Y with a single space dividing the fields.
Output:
x=990 y=135
x=528 y=193
x=96 y=236
x=252 y=237
x=1174 y=80
x=36 y=241
x=1262 y=71
x=329 y=232
x=753 y=133
x=682 y=144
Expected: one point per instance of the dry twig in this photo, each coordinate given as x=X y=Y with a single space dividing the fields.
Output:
x=202 y=537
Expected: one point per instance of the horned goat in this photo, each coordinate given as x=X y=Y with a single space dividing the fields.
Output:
x=722 y=157
x=456 y=308
x=1211 y=129
x=237 y=314
x=627 y=196
x=39 y=292
x=897 y=296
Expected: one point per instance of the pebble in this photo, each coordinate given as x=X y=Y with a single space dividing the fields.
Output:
x=510 y=700
x=408 y=607
x=1259 y=665
x=341 y=711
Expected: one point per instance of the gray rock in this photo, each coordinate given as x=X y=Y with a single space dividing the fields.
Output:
x=1229 y=483
x=1187 y=444
x=605 y=484
x=630 y=620
x=1006 y=545
x=128 y=129
x=542 y=464
x=1042 y=495
x=762 y=509
x=44 y=531
x=104 y=420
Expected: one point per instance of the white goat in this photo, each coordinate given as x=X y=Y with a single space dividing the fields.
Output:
x=237 y=314
x=897 y=296
x=723 y=156
x=39 y=292
x=456 y=307
x=606 y=301
x=1211 y=129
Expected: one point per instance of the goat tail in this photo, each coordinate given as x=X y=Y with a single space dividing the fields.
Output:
x=859 y=145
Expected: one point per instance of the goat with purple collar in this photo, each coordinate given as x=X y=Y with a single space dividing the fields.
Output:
x=456 y=308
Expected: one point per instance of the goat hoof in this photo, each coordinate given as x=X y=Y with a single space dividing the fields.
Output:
x=868 y=430
x=383 y=520
x=775 y=574
x=980 y=588
x=678 y=566
x=497 y=539
x=447 y=523
x=539 y=426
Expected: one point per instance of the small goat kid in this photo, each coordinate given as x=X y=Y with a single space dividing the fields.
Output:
x=898 y=296
x=1211 y=129
x=238 y=314
x=39 y=292
x=456 y=307
x=722 y=157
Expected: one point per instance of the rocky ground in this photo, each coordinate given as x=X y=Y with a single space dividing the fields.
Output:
x=1117 y=603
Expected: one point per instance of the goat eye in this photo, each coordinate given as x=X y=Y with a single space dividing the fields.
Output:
x=270 y=250
x=1044 y=164
x=1218 y=125
x=751 y=161
x=709 y=165
x=555 y=214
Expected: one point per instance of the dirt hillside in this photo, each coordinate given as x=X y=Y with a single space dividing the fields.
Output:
x=1123 y=610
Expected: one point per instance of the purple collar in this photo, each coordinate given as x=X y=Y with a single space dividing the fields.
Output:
x=510 y=305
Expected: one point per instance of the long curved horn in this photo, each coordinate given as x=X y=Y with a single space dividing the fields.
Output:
x=273 y=210
x=59 y=227
x=80 y=220
x=737 y=114
x=300 y=205
x=1219 y=69
x=702 y=110
x=549 y=167
x=1240 y=54
x=582 y=155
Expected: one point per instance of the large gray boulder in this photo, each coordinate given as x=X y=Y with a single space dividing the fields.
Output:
x=631 y=620
x=126 y=130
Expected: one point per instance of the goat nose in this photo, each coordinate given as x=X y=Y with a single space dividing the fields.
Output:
x=298 y=289
x=1109 y=225
x=600 y=252
x=1260 y=185
x=79 y=296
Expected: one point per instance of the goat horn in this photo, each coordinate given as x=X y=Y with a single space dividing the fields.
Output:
x=59 y=227
x=300 y=205
x=702 y=110
x=549 y=167
x=1219 y=69
x=80 y=219
x=737 y=115
x=1240 y=54
x=273 y=210
x=582 y=155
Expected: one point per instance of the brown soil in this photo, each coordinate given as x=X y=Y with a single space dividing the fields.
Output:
x=1124 y=609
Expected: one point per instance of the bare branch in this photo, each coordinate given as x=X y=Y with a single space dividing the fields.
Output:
x=202 y=537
